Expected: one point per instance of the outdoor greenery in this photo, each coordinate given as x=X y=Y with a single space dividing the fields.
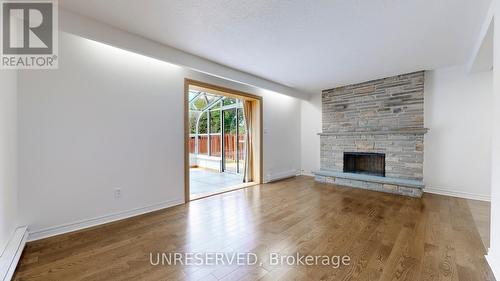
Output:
x=215 y=121
x=202 y=129
x=229 y=115
x=229 y=101
x=193 y=116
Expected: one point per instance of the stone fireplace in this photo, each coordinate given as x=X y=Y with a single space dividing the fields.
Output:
x=373 y=135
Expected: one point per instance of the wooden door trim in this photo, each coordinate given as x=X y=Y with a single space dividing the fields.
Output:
x=226 y=92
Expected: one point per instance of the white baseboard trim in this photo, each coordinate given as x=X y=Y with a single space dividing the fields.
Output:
x=494 y=264
x=308 y=174
x=79 y=225
x=460 y=194
x=12 y=253
x=281 y=176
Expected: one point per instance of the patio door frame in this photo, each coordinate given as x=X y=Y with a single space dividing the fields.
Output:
x=257 y=130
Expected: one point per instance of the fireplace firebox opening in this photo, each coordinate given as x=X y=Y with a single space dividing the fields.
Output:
x=364 y=163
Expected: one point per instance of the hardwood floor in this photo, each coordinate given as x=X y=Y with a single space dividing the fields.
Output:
x=387 y=237
x=481 y=211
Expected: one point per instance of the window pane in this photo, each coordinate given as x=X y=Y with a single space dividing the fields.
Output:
x=202 y=129
x=241 y=141
x=192 y=144
x=215 y=145
x=192 y=121
x=217 y=105
x=192 y=94
x=230 y=121
x=200 y=102
x=203 y=144
x=230 y=142
x=215 y=121
x=229 y=101
x=210 y=98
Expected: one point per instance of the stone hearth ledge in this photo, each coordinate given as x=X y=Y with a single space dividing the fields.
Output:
x=412 y=188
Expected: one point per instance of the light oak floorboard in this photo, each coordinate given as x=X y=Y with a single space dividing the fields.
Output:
x=388 y=237
x=481 y=213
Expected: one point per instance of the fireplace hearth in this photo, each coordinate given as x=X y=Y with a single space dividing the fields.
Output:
x=364 y=163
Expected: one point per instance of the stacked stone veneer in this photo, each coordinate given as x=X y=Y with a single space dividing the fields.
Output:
x=383 y=116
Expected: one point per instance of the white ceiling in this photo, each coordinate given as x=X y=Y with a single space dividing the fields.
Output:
x=310 y=44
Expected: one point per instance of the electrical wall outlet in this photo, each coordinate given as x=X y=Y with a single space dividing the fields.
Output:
x=118 y=193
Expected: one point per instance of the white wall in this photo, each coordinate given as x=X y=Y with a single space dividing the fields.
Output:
x=281 y=136
x=458 y=113
x=310 y=125
x=109 y=118
x=494 y=251
x=8 y=151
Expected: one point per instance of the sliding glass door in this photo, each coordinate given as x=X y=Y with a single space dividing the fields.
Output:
x=229 y=157
x=233 y=158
